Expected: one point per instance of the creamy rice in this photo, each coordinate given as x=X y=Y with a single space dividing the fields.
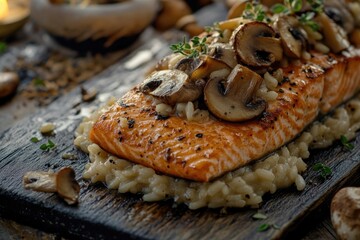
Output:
x=243 y=187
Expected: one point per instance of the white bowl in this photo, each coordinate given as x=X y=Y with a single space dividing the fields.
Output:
x=104 y=24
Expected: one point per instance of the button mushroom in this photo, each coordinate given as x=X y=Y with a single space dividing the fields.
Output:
x=345 y=213
x=207 y=66
x=172 y=86
x=233 y=99
x=255 y=44
x=338 y=11
x=223 y=52
x=335 y=37
x=237 y=9
x=291 y=37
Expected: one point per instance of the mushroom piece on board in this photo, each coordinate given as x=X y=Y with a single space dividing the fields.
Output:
x=345 y=213
x=233 y=99
x=256 y=45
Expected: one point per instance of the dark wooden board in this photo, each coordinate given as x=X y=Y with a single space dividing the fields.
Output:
x=104 y=214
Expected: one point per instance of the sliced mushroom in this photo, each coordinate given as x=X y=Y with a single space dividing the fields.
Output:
x=290 y=36
x=345 y=213
x=233 y=99
x=335 y=37
x=256 y=45
x=40 y=181
x=67 y=187
x=338 y=11
x=208 y=66
x=237 y=9
x=172 y=86
x=223 y=52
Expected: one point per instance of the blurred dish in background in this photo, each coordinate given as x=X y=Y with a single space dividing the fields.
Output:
x=13 y=15
x=89 y=27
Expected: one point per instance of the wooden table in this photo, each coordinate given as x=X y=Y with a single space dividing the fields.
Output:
x=316 y=224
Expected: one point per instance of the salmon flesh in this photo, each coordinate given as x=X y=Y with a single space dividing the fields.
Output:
x=204 y=151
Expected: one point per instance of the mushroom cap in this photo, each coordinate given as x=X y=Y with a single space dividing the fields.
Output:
x=237 y=9
x=335 y=37
x=255 y=44
x=67 y=187
x=233 y=99
x=339 y=12
x=172 y=86
x=292 y=46
x=345 y=213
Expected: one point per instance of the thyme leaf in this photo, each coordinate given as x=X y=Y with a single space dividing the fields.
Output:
x=345 y=142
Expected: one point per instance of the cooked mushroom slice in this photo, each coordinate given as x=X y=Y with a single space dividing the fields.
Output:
x=188 y=65
x=338 y=11
x=172 y=86
x=67 y=187
x=335 y=37
x=290 y=36
x=40 y=181
x=234 y=99
x=237 y=9
x=255 y=44
x=207 y=66
x=223 y=52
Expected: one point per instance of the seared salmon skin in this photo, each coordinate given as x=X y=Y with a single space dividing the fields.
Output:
x=204 y=151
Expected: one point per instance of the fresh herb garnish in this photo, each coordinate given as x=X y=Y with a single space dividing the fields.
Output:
x=38 y=82
x=3 y=47
x=316 y=5
x=259 y=216
x=215 y=28
x=307 y=20
x=345 y=142
x=34 y=140
x=289 y=7
x=197 y=47
x=263 y=227
x=255 y=12
x=47 y=146
x=324 y=170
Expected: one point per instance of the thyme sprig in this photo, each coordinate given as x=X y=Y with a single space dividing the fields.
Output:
x=292 y=7
x=194 y=49
x=254 y=11
x=345 y=142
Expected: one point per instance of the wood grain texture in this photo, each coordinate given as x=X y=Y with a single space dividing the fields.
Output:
x=104 y=214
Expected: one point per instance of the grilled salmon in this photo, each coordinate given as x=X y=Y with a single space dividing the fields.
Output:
x=204 y=151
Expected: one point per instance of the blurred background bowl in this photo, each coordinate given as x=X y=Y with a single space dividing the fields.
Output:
x=94 y=28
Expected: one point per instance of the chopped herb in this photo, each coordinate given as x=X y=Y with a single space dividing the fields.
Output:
x=259 y=216
x=34 y=140
x=47 y=146
x=324 y=170
x=289 y=7
x=316 y=5
x=38 y=82
x=346 y=144
x=255 y=12
x=263 y=227
x=197 y=47
x=3 y=47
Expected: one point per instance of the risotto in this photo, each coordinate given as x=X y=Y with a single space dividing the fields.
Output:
x=243 y=187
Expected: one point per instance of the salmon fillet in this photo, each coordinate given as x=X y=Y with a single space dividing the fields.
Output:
x=204 y=151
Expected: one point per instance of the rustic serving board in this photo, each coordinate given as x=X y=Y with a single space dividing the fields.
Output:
x=104 y=214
